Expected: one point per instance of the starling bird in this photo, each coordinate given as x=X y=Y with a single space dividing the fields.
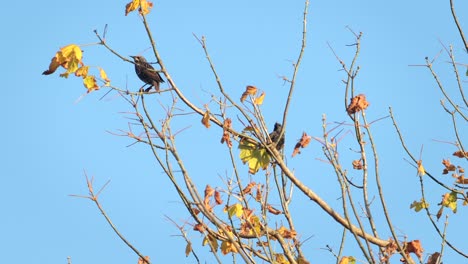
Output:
x=147 y=73
x=275 y=136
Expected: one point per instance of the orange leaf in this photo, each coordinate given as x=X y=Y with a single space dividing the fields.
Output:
x=249 y=90
x=206 y=119
x=208 y=193
x=460 y=154
x=248 y=188
x=414 y=247
x=357 y=164
x=303 y=142
x=273 y=210
x=144 y=261
x=358 y=103
x=226 y=135
x=199 y=227
x=132 y=6
x=259 y=195
x=218 y=199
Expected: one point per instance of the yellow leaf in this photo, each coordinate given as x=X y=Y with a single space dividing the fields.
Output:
x=69 y=57
x=82 y=71
x=236 y=210
x=212 y=241
x=421 y=170
x=132 y=6
x=450 y=200
x=419 y=205
x=257 y=158
x=103 y=75
x=145 y=7
x=259 y=100
x=228 y=247
x=188 y=249
x=90 y=83
x=281 y=259
x=347 y=260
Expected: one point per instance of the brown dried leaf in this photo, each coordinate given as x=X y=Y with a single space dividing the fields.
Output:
x=188 y=249
x=448 y=166
x=460 y=154
x=258 y=195
x=273 y=210
x=413 y=247
x=206 y=119
x=199 y=227
x=358 y=103
x=248 y=188
x=226 y=135
x=434 y=258
x=357 y=164
x=208 y=193
x=249 y=90
x=302 y=143
x=218 y=199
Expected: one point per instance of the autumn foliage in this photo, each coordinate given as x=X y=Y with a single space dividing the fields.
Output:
x=248 y=216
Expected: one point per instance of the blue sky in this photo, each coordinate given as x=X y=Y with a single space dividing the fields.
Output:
x=48 y=140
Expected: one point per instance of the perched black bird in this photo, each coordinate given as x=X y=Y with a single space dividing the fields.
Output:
x=147 y=73
x=275 y=136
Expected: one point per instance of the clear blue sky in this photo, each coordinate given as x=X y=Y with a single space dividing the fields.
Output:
x=48 y=140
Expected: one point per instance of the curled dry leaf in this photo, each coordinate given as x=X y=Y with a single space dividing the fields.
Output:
x=389 y=250
x=273 y=210
x=199 y=227
x=434 y=258
x=218 y=199
x=448 y=166
x=226 y=135
x=259 y=195
x=357 y=164
x=206 y=119
x=188 y=249
x=461 y=179
x=302 y=143
x=413 y=247
x=461 y=154
x=249 y=90
x=358 y=103
x=248 y=188
x=208 y=193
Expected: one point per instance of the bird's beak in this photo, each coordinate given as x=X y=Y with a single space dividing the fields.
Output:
x=133 y=57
